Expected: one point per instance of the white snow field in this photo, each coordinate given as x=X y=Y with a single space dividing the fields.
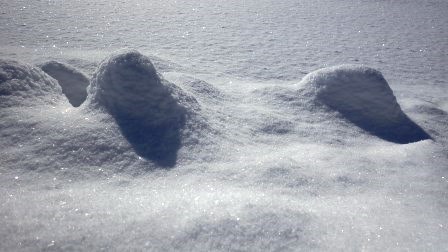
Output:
x=238 y=125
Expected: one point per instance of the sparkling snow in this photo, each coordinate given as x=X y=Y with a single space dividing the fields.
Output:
x=269 y=139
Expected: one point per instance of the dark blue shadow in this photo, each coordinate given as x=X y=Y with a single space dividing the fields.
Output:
x=158 y=143
x=402 y=130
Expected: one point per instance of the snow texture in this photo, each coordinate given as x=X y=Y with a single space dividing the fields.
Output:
x=25 y=85
x=362 y=96
x=256 y=159
x=73 y=82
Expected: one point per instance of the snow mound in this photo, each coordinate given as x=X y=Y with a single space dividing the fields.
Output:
x=73 y=83
x=151 y=112
x=362 y=96
x=24 y=85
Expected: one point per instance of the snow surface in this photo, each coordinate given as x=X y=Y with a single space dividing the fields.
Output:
x=236 y=125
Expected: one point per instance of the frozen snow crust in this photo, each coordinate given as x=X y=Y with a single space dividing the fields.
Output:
x=72 y=81
x=362 y=96
x=24 y=85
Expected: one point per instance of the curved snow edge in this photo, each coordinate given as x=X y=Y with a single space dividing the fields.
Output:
x=73 y=82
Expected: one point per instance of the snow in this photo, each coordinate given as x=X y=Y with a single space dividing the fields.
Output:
x=363 y=97
x=233 y=125
x=25 y=85
x=149 y=110
x=72 y=82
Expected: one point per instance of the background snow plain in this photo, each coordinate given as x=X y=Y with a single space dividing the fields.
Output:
x=258 y=171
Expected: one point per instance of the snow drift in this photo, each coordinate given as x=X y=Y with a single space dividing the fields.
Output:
x=362 y=96
x=24 y=85
x=150 y=111
x=73 y=83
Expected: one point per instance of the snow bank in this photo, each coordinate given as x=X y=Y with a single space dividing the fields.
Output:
x=24 y=85
x=150 y=111
x=362 y=96
x=73 y=82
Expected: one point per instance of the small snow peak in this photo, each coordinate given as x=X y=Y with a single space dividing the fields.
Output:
x=362 y=96
x=148 y=109
x=73 y=82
